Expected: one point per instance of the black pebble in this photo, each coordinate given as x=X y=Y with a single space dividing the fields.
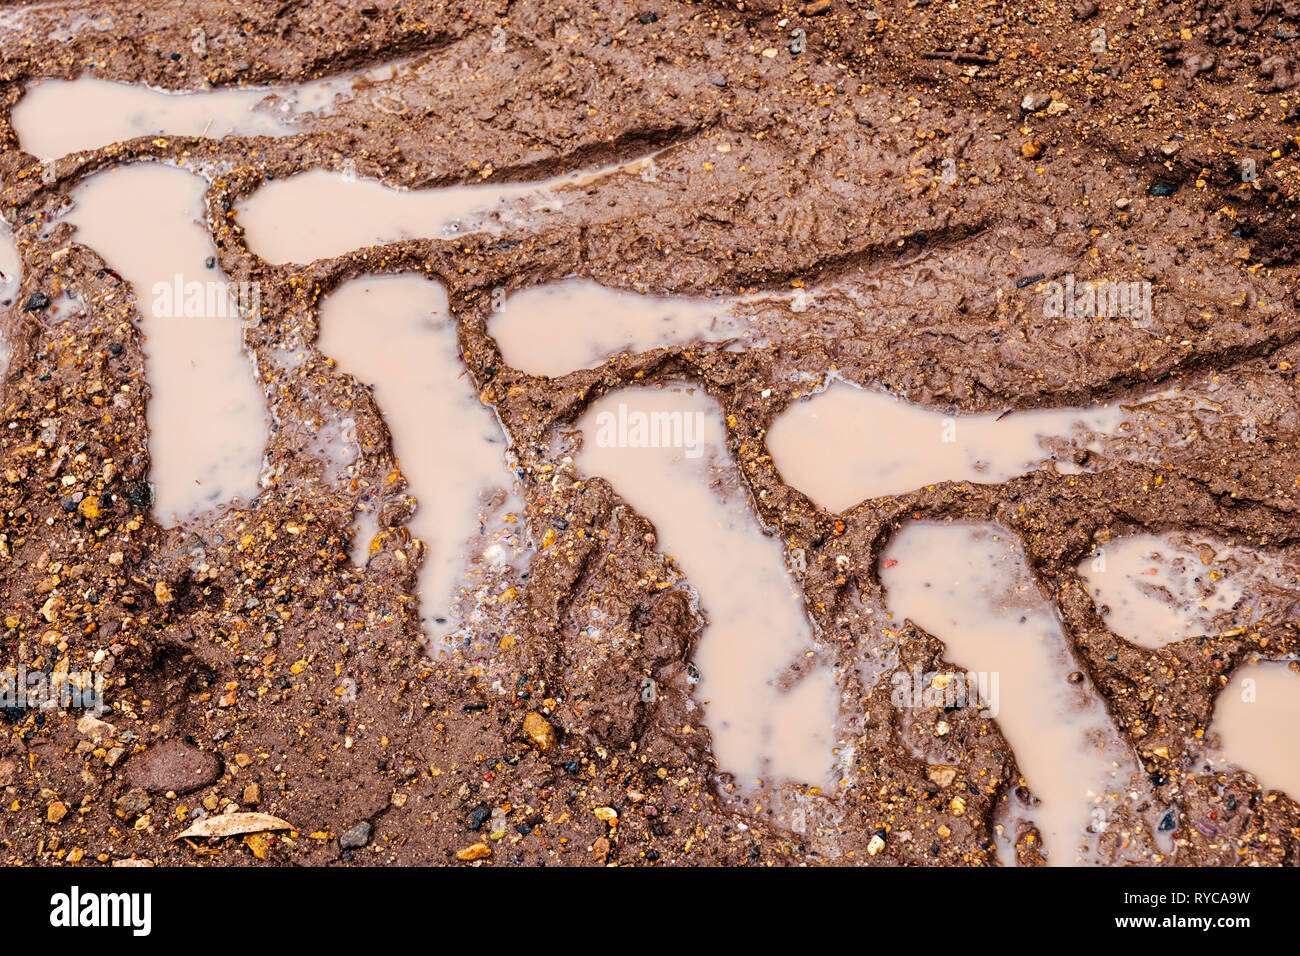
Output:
x=36 y=301
x=139 y=495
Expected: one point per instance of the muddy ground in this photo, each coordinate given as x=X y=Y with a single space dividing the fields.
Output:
x=250 y=663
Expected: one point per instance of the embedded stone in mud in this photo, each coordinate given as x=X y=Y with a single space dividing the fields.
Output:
x=554 y=329
x=1156 y=589
x=1255 y=720
x=395 y=334
x=847 y=444
x=969 y=586
x=770 y=709
x=207 y=415
x=173 y=765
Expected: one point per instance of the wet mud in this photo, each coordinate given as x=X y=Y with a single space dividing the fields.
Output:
x=898 y=193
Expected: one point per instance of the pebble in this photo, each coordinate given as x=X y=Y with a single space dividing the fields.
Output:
x=943 y=776
x=1032 y=149
x=600 y=850
x=539 y=731
x=36 y=301
x=133 y=802
x=173 y=765
x=56 y=811
x=477 y=851
x=258 y=844
x=355 y=837
x=96 y=730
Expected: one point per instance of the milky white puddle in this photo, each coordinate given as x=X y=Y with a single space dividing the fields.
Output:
x=1156 y=589
x=207 y=415
x=11 y=277
x=553 y=329
x=321 y=214
x=58 y=117
x=1255 y=721
x=969 y=586
x=847 y=444
x=11 y=266
x=395 y=334
x=765 y=724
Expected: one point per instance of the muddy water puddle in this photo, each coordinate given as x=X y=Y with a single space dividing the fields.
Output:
x=321 y=213
x=395 y=334
x=11 y=277
x=664 y=452
x=556 y=328
x=845 y=444
x=207 y=416
x=1155 y=589
x=1254 y=725
x=969 y=586
x=11 y=266
x=58 y=117
x=848 y=444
